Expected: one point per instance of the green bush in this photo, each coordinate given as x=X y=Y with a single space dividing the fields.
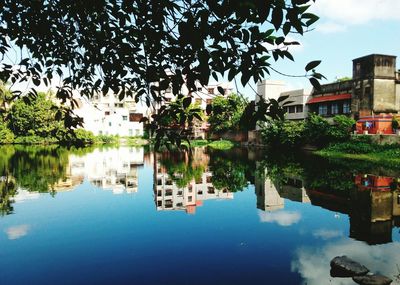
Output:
x=352 y=147
x=395 y=124
x=316 y=130
x=341 y=130
x=107 y=139
x=32 y=139
x=283 y=134
x=84 y=137
x=6 y=136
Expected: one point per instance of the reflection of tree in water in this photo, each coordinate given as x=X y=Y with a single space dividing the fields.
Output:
x=182 y=168
x=230 y=170
x=7 y=191
x=35 y=169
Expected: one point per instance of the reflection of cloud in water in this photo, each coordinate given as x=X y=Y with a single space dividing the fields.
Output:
x=17 y=232
x=24 y=195
x=326 y=234
x=313 y=264
x=282 y=218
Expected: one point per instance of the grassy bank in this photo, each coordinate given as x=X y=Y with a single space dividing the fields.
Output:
x=365 y=151
x=220 y=144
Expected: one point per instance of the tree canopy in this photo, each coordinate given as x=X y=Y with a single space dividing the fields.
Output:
x=140 y=48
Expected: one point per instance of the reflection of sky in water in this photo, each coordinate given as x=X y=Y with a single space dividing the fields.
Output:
x=313 y=262
x=90 y=236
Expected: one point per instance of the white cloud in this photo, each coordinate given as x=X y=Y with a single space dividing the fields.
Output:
x=282 y=218
x=326 y=234
x=330 y=27
x=337 y=14
x=24 y=195
x=17 y=232
x=313 y=264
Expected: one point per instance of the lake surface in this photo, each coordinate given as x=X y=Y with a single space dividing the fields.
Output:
x=129 y=216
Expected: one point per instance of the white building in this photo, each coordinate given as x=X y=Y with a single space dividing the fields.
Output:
x=169 y=196
x=107 y=115
x=274 y=89
x=271 y=197
x=269 y=89
x=297 y=109
x=110 y=169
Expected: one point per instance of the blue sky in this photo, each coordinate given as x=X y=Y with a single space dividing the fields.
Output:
x=347 y=29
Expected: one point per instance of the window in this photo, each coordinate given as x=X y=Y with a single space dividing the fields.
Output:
x=109 y=124
x=199 y=89
x=299 y=109
x=190 y=199
x=323 y=109
x=125 y=118
x=292 y=109
x=135 y=117
x=130 y=132
x=107 y=113
x=209 y=101
x=210 y=90
x=335 y=108
x=346 y=107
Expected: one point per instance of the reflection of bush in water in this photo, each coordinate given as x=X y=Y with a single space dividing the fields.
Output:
x=182 y=168
x=228 y=174
x=7 y=191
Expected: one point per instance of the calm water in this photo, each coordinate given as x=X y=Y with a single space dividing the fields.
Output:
x=128 y=216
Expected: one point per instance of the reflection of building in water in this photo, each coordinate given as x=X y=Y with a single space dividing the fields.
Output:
x=373 y=207
x=170 y=195
x=271 y=197
x=110 y=169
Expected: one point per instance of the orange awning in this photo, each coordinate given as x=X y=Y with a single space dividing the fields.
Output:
x=329 y=98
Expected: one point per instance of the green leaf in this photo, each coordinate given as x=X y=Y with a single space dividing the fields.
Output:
x=277 y=17
x=312 y=65
x=315 y=83
x=186 y=102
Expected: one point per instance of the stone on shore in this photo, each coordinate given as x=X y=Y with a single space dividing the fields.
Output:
x=372 y=280
x=342 y=266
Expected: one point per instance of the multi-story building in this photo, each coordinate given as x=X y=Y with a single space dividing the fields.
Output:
x=107 y=115
x=374 y=89
x=113 y=169
x=332 y=99
x=274 y=89
x=168 y=195
x=296 y=109
x=271 y=197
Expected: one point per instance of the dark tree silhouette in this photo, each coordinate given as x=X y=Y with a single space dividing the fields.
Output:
x=140 y=48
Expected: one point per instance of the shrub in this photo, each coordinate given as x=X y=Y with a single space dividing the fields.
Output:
x=6 y=136
x=107 y=139
x=32 y=139
x=316 y=130
x=283 y=134
x=341 y=130
x=395 y=124
x=84 y=137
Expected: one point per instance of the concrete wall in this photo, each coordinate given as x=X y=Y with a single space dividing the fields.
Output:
x=384 y=96
x=232 y=136
x=299 y=97
x=270 y=89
